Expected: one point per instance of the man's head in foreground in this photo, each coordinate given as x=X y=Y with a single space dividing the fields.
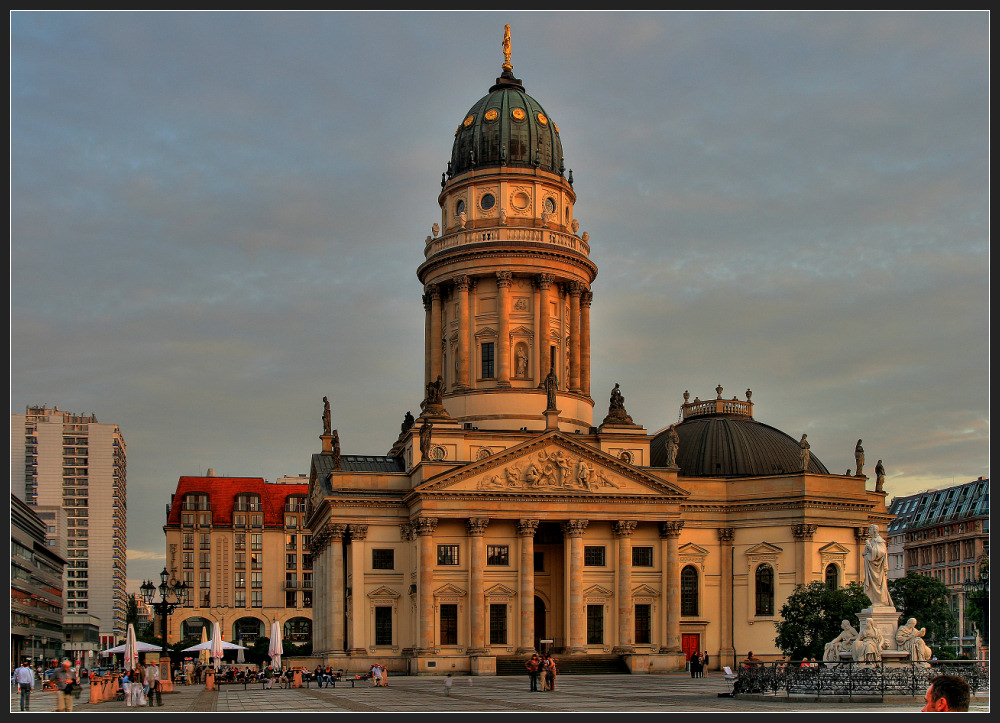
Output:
x=947 y=694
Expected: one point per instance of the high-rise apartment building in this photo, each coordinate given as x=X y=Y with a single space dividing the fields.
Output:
x=73 y=462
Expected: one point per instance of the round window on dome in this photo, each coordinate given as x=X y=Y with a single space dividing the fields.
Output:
x=469 y=121
x=542 y=120
x=520 y=200
x=550 y=204
x=518 y=114
x=492 y=114
x=487 y=202
x=460 y=206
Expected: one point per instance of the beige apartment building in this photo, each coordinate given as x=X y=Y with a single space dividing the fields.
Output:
x=241 y=547
x=507 y=517
x=76 y=464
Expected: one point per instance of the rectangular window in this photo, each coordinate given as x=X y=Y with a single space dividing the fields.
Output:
x=256 y=599
x=307 y=599
x=240 y=560
x=498 y=555
x=256 y=541
x=643 y=624
x=239 y=542
x=593 y=556
x=488 y=361
x=383 y=625
x=595 y=624
x=240 y=598
x=290 y=598
x=447 y=554
x=290 y=542
x=257 y=580
x=642 y=557
x=383 y=559
x=204 y=578
x=256 y=561
x=290 y=560
x=498 y=624
x=449 y=624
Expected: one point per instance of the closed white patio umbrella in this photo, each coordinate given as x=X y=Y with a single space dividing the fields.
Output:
x=274 y=649
x=131 y=648
x=216 y=649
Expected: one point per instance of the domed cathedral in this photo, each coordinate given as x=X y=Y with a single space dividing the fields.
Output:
x=503 y=521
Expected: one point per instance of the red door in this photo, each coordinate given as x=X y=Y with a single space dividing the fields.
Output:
x=690 y=643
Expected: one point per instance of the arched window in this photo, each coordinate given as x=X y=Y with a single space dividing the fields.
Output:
x=298 y=630
x=192 y=627
x=765 y=590
x=247 y=630
x=832 y=580
x=689 y=591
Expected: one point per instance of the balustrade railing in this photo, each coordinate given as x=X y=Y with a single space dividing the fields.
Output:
x=513 y=234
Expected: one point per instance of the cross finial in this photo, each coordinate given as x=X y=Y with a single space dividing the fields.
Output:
x=506 y=49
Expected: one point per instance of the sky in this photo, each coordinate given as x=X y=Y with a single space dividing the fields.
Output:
x=216 y=220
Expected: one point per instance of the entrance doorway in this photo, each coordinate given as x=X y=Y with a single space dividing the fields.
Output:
x=539 y=622
x=690 y=643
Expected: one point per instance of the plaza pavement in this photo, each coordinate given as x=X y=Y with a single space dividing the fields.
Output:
x=673 y=692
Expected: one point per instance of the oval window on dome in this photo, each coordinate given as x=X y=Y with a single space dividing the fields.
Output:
x=469 y=121
x=542 y=120
x=487 y=202
x=460 y=206
x=550 y=204
x=518 y=114
x=492 y=114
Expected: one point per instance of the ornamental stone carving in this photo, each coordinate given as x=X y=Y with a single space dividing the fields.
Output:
x=843 y=643
x=549 y=470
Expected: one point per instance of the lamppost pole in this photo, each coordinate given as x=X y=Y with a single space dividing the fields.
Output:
x=171 y=597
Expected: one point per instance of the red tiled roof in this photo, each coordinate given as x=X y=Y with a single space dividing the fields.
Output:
x=223 y=491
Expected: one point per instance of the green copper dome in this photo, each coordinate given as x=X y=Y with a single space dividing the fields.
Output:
x=507 y=127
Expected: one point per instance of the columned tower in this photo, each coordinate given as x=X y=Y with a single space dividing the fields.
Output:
x=506 y=276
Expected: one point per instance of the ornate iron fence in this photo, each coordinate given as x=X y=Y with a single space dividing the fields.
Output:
x=856 y=679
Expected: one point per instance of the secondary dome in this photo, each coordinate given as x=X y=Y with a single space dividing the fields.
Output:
x=720 y=438
x=506 y=127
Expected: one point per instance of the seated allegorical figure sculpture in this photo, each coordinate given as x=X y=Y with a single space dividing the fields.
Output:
x=910 y=639
x=868 y=647
x=840 y=644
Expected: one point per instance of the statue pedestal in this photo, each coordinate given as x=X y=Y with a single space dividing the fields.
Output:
x=886 y=619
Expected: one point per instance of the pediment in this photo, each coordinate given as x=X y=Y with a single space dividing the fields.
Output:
x=597 y=591
x=552 y=464
x=645 y=591
x=383 y=592
x=762 y=549
x=500 y=590
x=691 y=550
x=833 y=548
x=449 y=590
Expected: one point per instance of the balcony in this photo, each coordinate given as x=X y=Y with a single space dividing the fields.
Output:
x=508 y=234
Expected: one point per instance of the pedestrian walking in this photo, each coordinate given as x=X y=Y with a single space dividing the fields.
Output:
x=65 y=680
x=533 y=665
x=24 y=678
x=447 y=684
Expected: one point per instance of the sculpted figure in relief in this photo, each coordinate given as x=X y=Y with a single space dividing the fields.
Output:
x=840 y=644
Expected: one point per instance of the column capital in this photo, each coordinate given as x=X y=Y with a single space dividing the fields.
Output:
x=504 y=279
x=803 y=531
x=358 y=532
x=406 y=533
x=726 y=535
x=575 y=528
x=433 y=292
x=624 y=528
x=423 y=526
x=860 y=533
x=671 y=528
x=476 y=526
x=545 y=280
x=461 y=282
x=586 y=298
x=575 y=288
x=527 y=528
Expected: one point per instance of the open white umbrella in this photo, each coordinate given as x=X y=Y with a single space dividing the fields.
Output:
x=139 y=645
x=216 y=649
x=131 y=649
x=207 y=646
x=274 y=649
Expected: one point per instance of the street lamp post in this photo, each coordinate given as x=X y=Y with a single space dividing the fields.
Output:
x=171 y=597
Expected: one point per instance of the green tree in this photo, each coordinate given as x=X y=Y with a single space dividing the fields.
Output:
x=132 y=611
x=929 y=601
x=811 y=617
x=978 y=602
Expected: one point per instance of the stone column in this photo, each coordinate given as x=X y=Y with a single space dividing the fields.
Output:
x=575 y=290
x=321 y=575
x=504 y=280
x=623 y=530
x=424 y=528
x=545 y=330
x=585 y=300
x=670 y=532
x=726 y=652
x=803 y=534
x=333 y=610
x=462 y=296
x=526 y=534
x=577 y=633
x=428 y=335
x=435 y=341
x=359 y=607
x=476 y=527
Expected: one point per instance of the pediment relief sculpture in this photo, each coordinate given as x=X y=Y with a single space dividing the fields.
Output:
x=549 y=470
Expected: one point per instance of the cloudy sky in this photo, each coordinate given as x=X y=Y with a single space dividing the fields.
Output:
x=216 y=220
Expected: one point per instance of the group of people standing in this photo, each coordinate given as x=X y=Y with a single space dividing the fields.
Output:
x=542 y=669
x=697 y=663
x=141 y=686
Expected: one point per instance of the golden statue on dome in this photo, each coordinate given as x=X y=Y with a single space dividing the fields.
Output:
x=506 y=48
